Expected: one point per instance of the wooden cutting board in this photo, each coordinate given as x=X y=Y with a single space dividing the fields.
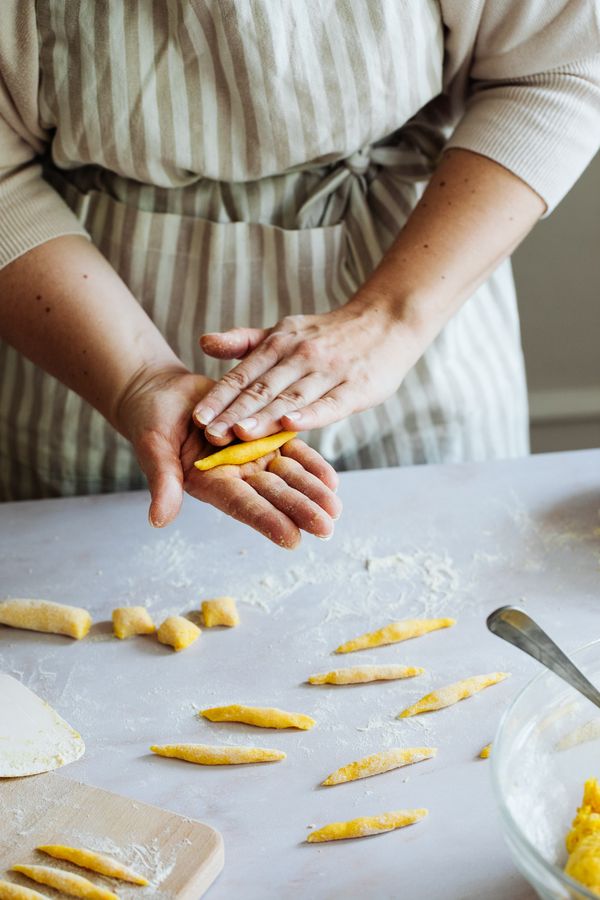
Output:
x=180 y=857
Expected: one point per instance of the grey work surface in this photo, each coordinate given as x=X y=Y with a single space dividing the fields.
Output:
x=451 y=540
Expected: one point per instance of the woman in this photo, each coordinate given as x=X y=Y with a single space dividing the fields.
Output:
x=238 y=165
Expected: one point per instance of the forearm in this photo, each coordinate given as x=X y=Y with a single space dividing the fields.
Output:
x=64 y=307
x=471 y=217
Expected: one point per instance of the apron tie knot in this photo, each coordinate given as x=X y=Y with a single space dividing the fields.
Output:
x=359 y=161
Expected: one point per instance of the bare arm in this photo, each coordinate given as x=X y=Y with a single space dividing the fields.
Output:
x=472 y=215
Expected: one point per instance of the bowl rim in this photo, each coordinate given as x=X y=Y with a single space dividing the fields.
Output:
x=505 y=812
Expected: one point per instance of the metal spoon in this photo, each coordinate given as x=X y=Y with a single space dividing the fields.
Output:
x=515 y=626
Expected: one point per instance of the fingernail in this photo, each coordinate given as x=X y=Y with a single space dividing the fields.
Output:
x=248 y=424
x=204 y=415
x=294 y=416
x=324 y=537
x=218 y=430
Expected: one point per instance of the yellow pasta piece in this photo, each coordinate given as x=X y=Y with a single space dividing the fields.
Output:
x=452 y=693
x=97 y=862
x=367 y=825
x=262 y=716
x=178 y=632
x=131 y=620
x=66 y=882
x=206 y=755
x=10 y=891
x=378 y=763
x=220 y=611
x=395 y=632
x=42 y=615
x=245 y=452
x=365 y=674
x=486 y=751
x=583 y=840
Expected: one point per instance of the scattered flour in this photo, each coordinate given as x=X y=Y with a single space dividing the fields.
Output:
x=588 y=732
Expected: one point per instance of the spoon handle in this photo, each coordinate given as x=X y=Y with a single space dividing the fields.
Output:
x=515 y=626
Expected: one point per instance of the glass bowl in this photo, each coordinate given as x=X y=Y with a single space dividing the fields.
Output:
x=547 y=745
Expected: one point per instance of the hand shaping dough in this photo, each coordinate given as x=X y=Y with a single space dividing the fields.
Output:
x=97 y=862
x=247 y=451
x=378 y=763
x=262 y=716
x=451 y=694
x=364 y=674
x=367 y=825
x=220 y=611
x=395 y=632
x=42 y=615
x=178 y=632
x=486 y=751
x=583 y=840
x=10 y=891
x=205 y=755
x=130 y=620
x=66 y=882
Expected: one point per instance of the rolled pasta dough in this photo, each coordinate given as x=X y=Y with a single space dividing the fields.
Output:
x=131 y=620
x=262 y=716
x=43 y=615
x=96 y=862
x=367 y=825
x=66 y=882
x=10 y=891
x=220 y=611
x=178 y=632
x=206 y=755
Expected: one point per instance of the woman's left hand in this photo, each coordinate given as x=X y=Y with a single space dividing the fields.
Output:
x=306 y=372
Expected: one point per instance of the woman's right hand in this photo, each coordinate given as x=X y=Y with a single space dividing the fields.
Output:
x=279 y=495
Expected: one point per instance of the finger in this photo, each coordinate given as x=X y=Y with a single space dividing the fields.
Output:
x=162 y=467
x=331 y=407
x=233 y=382
x=296 y=476
x=292 y=396
x=303 y=511
x=241 y=501
x=312 y=461
x=232 y=344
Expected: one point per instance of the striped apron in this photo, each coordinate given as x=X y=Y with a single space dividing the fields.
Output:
x=236 y=163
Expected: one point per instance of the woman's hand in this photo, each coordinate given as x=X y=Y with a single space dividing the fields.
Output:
x=306 y=372
x=279 y=495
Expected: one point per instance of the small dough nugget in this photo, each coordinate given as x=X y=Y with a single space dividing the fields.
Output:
x=583 y=840
x=207 y=755
x=66 y=882
x=485 y=752
x=178 y=632
x=378 y=763
x=367 y=825
x=245 y=452
x=262 y=716
x=365 y=674
x=220 y=611
x=395 y=632
x=131 y=620
x=97 y=862
x=10 y=891
x=42 y=615
x=451 y=694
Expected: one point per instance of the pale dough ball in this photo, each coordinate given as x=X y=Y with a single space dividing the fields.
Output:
x=178 y=632
x=220 y=611
x=130 y=620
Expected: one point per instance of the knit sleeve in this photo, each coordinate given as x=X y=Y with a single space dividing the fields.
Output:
x=533 y=89
x=31 y=212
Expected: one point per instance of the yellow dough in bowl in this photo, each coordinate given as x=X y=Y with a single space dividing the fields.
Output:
x=583 y=840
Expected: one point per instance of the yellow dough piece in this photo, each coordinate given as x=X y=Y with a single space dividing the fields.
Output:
x=245 y=452
x=178 y=632
x=97 y=862
x=365 y=674
x=583 y=840
x=451 y=694
x=366 y=825
x=395 y=632
x=220 y=611
x=131 y=620
x=66 y=882
x=207 y=755
x=42 y=615
x=262 y=716
x=378 y=763
x=486 y=751
x=10 y=891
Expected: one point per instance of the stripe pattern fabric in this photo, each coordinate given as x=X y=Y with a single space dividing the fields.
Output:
x=239 y=162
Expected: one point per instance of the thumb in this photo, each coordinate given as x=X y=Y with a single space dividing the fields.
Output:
x=162 y=467
x=233 y=344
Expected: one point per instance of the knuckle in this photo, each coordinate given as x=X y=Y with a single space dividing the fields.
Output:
x=293 y=398
x=259 y=390
x=308 y=351
x=237 y=379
